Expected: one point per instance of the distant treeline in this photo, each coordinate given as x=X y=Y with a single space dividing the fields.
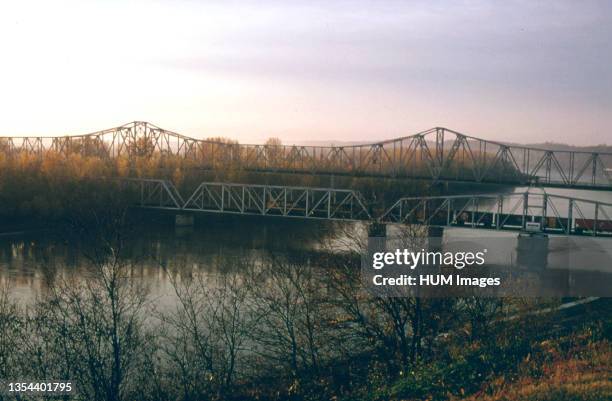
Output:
x=602 y=148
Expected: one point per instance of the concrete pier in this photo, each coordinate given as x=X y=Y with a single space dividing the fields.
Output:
x=183 y=220
x=532 y=251
x=377 y=230
x=435 y=235
x=377 y=237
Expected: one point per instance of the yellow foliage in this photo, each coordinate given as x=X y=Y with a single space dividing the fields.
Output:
x=122 y=165
x=583 y=374
x=177 y=177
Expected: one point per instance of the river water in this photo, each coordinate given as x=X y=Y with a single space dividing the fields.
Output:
x=30 y=261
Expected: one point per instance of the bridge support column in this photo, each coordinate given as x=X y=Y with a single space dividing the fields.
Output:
x=532 y=251
x=183 y=220
x=377 y=237
x=435 y=234
x=377 y=230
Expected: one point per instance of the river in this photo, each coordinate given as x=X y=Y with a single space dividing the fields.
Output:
x=30 y=261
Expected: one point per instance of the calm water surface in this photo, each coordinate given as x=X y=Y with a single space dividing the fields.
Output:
x=30 y=261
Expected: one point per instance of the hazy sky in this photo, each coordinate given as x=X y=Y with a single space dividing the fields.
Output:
x=521 y=71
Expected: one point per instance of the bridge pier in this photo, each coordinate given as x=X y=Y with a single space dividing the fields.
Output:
x=435 y=234
x=377 y=237
x=532 y=251
x=377 y=229
x=183 y=220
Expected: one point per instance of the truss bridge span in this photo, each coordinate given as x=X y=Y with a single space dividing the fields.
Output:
x=437 y=154
x=553 y=214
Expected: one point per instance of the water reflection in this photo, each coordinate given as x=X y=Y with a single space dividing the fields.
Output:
x=31 y=262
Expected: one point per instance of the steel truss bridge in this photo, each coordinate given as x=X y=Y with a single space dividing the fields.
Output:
x=556 y=214
x=261 y=200
x=438 y=154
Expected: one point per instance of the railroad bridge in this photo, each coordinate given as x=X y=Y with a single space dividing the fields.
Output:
x=508 y=212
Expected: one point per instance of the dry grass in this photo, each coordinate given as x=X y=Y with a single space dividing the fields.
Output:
x=582 y=374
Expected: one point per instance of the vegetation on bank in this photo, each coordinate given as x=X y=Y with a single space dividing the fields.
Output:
x=43 y=189
x=273 y=329
x=574 y=366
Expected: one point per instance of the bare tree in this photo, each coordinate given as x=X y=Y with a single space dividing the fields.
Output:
x=294 y=317
x=93 y=325
x=207 y=334
x=394 y=326
x=11 y=333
